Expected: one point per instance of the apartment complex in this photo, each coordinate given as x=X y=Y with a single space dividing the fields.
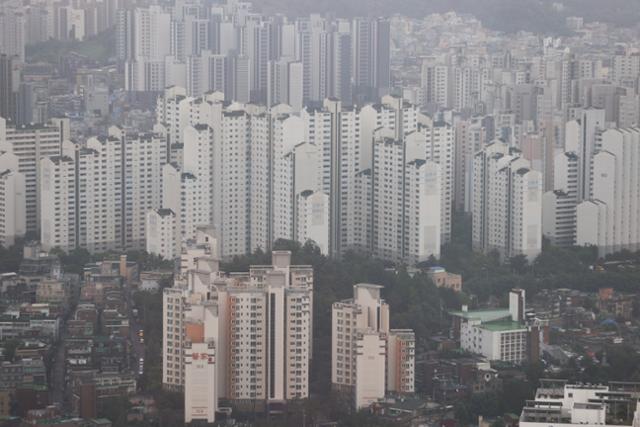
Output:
x=254 y=58
x=368 y=359
x=97 y=196
x=507 y=203
x=376 y=179
x=256 y=328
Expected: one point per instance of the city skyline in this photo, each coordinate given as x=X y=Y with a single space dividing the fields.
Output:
x=219 y=212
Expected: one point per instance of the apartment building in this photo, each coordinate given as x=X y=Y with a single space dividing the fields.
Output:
x=363 y=346
x=259 y=323
x=609 y=218
x=507 y=203
x=108 y=184
x=31 y=143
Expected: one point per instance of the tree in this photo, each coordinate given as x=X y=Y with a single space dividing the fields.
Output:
x=519 y=264
x=74 y=261
x=115 y=409
x=10 y=258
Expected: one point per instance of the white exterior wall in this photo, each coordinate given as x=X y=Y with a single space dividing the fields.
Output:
x=559 y=205
x=526 y=232
x=144 y=158
x=259 y=184
x=423 y=213
x=57 y=203
x=200 y=394
x=615 y=196
x=235 y=184
x=370 y=363
x=101 y=195
x=363 y=346
x=312 y=222
x=198 y=161
x=579 y=405
x=30 y=144
x=162 y=238
x=287 y=133
x=349 y=167
x=268 y=308
x=591 y=223
x=505 y=188
x=440 y=149
x=12 y=200
x=387 y=199
x=507 y=345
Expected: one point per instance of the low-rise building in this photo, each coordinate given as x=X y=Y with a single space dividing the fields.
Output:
x=503 y=334
x=560 y=404
x=443 y=279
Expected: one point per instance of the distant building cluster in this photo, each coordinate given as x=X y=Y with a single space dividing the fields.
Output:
x=26 y=23
x=251 y=57
x=340 y=132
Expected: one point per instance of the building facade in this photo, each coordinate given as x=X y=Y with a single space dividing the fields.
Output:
x=363 y=346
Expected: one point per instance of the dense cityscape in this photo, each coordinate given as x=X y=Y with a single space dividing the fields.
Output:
x=214 y=212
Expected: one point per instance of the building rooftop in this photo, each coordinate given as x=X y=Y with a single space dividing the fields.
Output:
x=482 y=315
x=502 y=326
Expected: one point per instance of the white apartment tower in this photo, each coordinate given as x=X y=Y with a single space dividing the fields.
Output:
x=144 y=157
x=581 y=137
x=470 y=137
x=58 y=201
x=145 y=70
x=440 y=149
x=559 y=205
x=405 y=199
x=30 y=144
x=363 y=346
x=609 y=219
x=100 y=195
x=507 y=203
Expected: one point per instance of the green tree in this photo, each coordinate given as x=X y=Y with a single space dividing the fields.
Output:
x=519 y=264
x=10 y=258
